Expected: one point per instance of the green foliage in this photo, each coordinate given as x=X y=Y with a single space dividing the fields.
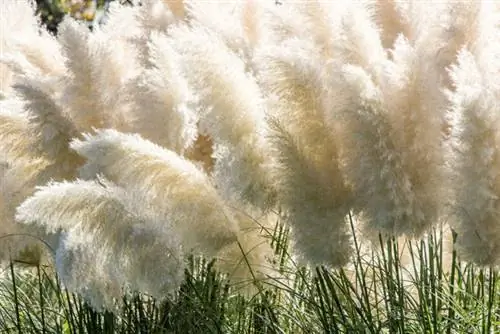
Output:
x=378 y=294
x=53 y=11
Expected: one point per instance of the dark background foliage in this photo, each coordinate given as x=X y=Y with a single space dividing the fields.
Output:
x=53 y=11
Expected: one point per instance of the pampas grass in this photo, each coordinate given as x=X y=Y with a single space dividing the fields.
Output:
x=94 y=98
x=170 y=185
x=25 y=47
x=476 y=144
x=310 y=185
x=97 y=257
x=18 y=181
x=162 y=99
x=191 y=131
x=14 y=125
x=51 y=128
x=232 y=114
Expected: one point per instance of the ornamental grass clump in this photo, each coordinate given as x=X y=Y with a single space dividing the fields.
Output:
x=200 y=125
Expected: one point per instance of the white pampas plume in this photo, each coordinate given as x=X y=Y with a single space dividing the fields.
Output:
x=24 y=42
x=157 y=15
x=389 y=16
x=324 y=25
x=15 y=141
x=436 y=34
x=476 y=142
x=80 y=92
x=95 y=78
x=51 y=129
x=415 y=104
x=394 y=191
x=455 y=28
x=470 y=25
x=396 y=108
x=280 y=23
x=120 y=22
x=315 y=198
x=17 y=182
x=83 y=268
x=231 y=22
x=251 y=12
x=5 y=81
x=98 y=215
x=234 y=115
x=162 y=100
x=152 y=16
x=310 y=185
x=35 y=143
x=173 y=186
x=360 y=41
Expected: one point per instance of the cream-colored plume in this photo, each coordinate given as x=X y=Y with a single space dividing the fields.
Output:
x=301 y=20
x=17 y=182
x=390 y=113
x=96 y=215
x=232 y=113
x=162 y=102
x=26 y=47
x=360 y=42
x=81 y=96
x=374 y=163
x=121 y=22
x=389 y=15
x=49 y=127
x=15 y=143
x=167 y=183
x=95 y=80
x=154 y=16
x=36 y=136
x=83 y=267
x=310 y=185
x=234 y=23
x=475 y=139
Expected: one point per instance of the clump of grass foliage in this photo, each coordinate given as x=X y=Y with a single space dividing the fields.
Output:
x=378 y=294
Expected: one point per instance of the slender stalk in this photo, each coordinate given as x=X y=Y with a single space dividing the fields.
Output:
x=451 y=284
x=42 y=300
x=16 y=300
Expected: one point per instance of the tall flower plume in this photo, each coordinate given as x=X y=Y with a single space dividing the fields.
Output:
x=475 y=140
x=95 y=79
x=24 y=46
x=168 y=183
x=310 y=185
x=17 y=182
x=14 y=127
x=104 y=236
x=162 y=101
x=50 y=126
x=233 y=114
